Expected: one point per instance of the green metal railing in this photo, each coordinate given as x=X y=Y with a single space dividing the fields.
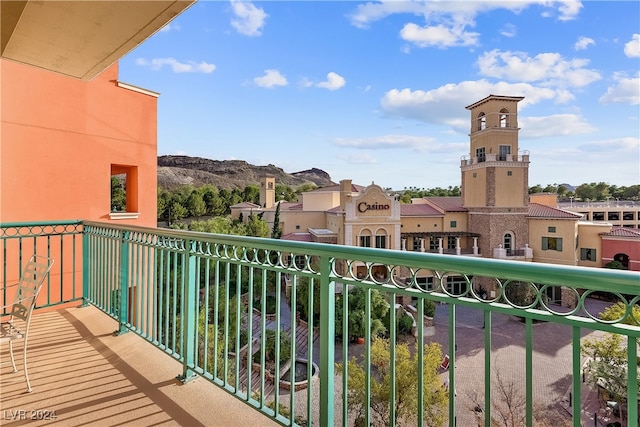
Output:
x=245 y=312
x=59 y=240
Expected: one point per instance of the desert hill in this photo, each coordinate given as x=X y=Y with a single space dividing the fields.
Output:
x=174 y=171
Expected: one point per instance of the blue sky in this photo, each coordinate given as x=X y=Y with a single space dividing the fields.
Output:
x=376 y=91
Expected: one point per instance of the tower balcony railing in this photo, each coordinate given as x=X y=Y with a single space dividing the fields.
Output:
x=491 y=157
x=217 y=304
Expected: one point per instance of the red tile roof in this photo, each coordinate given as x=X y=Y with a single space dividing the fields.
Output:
x=291 y=206
x=448 y=204
x=354 y=188
x=421 y=209
x=536 y=210
x=246 y=205
x=622 y=232
x=298 y=237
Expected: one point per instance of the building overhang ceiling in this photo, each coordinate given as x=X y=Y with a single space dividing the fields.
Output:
x=80 y=38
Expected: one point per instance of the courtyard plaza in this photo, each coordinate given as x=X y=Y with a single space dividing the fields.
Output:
x=83 y=374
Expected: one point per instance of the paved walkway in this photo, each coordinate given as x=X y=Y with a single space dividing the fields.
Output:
x=552 y=363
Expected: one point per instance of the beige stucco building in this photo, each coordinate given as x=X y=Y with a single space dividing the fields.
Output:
x=493 y=218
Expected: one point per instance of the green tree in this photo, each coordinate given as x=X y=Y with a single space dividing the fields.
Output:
x=284 y=192
x=406 y=386
x=162 y=203
x=178 y=211
x=618 y=310
x=608 y=355
x=196 y=205
x=217 y=225
x=257 y=227
x=562 y=192
x=616 y=265
x=607 y=365
x=535 y=189
x=357 y=318
x=118 y=195
x=591 y=191
x=304 y=188
x=251 y=194
x=276 y=232
x=405 y=198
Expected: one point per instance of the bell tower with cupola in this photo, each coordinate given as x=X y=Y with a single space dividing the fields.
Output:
x=495 y=175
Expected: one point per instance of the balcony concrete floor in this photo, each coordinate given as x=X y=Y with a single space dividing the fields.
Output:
x=86 y=376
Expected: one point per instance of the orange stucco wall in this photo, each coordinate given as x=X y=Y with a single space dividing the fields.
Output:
x=59 y=138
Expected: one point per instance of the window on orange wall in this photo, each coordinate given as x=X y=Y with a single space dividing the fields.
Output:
x=124 y=189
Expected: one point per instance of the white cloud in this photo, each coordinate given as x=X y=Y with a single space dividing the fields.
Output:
x=509 y=30
x=630 y=144
x=583 y=43
x=446 y=22
x=438 y=35
x=554 y=125
x=632 y=48
x=334 y=81
x=442 y=105
x=361 y=158
x=569 y=9
x=418 y=143
x=625 y=91
x=177 y=66
x=249 y=19
x=548 y=68
x=170 y=26
x=270 y=79
x=305 y=82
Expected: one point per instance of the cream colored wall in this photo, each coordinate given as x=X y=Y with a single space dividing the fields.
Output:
x=547 y=199
x=565 y=229
x=335 y=223
x=320 y=200
x=303 y=219
x=373 y=229
x=421 y=224
x=589 y=238
x=475 y=187
x=459 y=217
x=511 y=187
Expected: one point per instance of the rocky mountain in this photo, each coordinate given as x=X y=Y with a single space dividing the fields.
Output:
x=174 y=171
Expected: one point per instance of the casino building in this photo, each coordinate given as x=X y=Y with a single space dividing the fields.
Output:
x=495 y=217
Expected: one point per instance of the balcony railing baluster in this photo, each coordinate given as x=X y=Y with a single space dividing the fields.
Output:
x=175 y=289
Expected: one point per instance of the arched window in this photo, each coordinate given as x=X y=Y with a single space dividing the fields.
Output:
x=508 y=242
x=504 y=118
x=623 y=258
x=365 y=238
x=381 y=239
x=482 y=121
